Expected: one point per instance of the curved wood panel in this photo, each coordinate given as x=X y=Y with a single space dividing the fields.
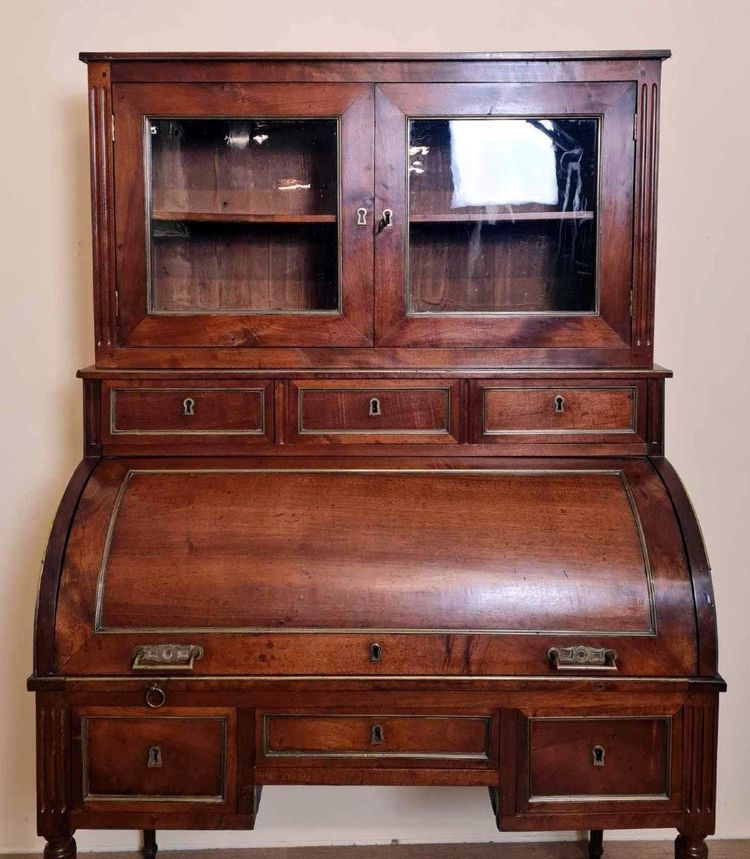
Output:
x=286 y=569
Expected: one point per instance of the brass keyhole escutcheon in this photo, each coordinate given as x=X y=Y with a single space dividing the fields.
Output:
x=598 y=755
x=375 y=410
x=188 y=407
x=376 y=652
x=376 y=735
x=154 y=757
x=559 y=405
x=361 y=217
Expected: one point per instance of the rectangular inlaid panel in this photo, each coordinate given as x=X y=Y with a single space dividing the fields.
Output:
x=375 y=736
x=172 y=758
x=561 y=409
x=352 y=411
x=412 y=550
x=599 y=757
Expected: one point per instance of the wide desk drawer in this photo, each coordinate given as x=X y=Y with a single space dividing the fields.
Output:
x=169 y=758
x=570 y=412
x=386 y=412
x=144 y=412
x=302 y=738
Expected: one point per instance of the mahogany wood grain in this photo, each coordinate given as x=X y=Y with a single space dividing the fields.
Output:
x=337 y=577
x=382 y=739
x=167 y=758
x=635 y=757
x=507 y=411
x=341 y=412
x=137 y=412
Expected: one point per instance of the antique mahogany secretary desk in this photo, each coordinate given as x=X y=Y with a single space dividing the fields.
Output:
x=374 y=488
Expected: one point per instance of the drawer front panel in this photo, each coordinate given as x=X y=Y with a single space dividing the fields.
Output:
x=149 y=412
x=449 y=738
x=166 y=758
x=385 y=411
x=606 y=758
x=558 y=413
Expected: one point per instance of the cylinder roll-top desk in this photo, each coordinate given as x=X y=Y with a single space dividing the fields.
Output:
x=373 y=487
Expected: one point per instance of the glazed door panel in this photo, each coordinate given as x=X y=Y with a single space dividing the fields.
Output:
x=506 y=214
x=243 y=214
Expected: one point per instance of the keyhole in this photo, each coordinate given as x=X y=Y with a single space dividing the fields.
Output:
x=559 y=405
x=362 y=217
x=375 y=407
x=598 y=754
x=188 y=407
x=376 y=652
x=154 y=757
x=376 y=735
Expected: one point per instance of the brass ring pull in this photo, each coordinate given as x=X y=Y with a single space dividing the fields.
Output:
x=155 y=697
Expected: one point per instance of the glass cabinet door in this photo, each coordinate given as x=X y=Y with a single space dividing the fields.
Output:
x=237 y=214
x=509 y=217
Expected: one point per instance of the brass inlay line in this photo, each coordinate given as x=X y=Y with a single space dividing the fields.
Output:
x=581 y=431
x=130 y=797
x=188 y=390
x=322 y=753
x=301 y=430
x=634 y=797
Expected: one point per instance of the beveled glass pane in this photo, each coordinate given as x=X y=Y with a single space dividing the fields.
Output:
x=502 y=215
x=243 y=215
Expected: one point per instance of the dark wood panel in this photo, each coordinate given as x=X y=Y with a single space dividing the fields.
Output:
x=172 y=758
x=293 y=738
x=355 y=412
x=143 y=412
x=634 y=754
x=559 y=411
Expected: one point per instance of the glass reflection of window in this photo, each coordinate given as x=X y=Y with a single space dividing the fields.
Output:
x=502 y=163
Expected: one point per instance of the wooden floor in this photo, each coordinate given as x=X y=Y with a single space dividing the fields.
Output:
x=720 y=849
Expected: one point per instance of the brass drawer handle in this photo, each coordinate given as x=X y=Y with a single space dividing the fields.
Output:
x=155 y=697
x=582 y=658
x=165 y=657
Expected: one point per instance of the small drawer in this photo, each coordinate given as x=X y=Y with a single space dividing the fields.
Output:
x=149 y=412
x=165 y=758
x=558 y=413
x=584 y=758
x=293 y=737
x=386 y=412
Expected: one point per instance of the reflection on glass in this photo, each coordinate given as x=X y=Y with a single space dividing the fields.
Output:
x=502 y=215
x=243 y=215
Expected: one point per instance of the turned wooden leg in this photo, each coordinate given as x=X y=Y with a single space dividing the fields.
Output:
x=63 y=847
x=596 y=843
x=150 y=847
x=690 y=845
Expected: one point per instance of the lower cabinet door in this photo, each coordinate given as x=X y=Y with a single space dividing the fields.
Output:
x=599 y=761
x=127 y=757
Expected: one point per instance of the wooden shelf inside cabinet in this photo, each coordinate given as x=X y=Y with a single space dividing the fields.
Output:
x=478 y=217
x=243 y=218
